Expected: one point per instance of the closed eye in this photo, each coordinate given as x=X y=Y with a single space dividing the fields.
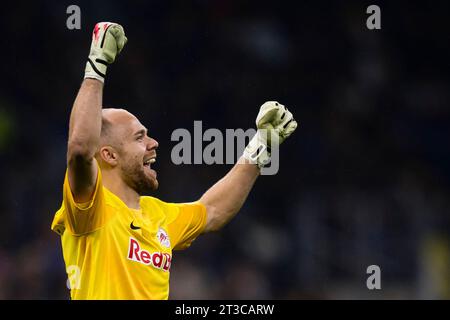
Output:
x=140 y=134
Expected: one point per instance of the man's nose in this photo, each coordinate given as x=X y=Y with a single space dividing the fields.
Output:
x=152 y=144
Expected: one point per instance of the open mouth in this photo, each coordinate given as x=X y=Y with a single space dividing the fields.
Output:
x=149 y=162
x=148 y=166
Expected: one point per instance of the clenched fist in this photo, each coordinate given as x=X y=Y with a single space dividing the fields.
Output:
x=108 y=40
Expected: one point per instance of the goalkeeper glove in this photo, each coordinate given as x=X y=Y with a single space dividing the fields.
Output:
x=275 y=124
x=108 y=39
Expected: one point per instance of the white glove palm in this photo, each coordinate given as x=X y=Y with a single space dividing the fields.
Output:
x=275 y=124
x=108 y=40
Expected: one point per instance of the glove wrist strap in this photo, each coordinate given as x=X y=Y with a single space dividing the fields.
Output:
x=257 y=151
x=96 y=69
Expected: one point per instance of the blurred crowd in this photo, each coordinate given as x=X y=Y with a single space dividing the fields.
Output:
x=363 y=181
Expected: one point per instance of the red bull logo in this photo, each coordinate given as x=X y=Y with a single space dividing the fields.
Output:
x=163 y=238
x=158 y=260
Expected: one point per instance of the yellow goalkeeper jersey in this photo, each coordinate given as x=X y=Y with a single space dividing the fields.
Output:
x=114 y=252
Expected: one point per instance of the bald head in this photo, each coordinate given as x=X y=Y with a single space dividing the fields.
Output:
x=117 y=115
x=115 y=124
x=125 y=150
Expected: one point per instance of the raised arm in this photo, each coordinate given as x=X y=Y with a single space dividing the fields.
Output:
x=85 y=124
x=84 y=135
x=224 y=199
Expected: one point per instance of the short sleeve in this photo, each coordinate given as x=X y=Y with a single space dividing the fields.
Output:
x=82 y=218
x=187 y=223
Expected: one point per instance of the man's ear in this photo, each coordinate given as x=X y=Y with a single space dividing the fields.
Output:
x=109 y=155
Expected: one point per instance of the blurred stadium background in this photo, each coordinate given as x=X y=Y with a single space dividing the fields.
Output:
x=365 y=179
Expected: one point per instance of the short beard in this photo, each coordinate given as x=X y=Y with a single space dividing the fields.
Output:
x=135 y=177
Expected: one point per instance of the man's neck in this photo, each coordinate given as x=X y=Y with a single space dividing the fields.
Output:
x=117 y=186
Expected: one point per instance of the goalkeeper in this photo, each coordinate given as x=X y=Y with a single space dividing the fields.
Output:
x=116 y=242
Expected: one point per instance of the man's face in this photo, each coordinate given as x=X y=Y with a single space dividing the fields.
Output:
x=137 y=154
x=136 y=151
